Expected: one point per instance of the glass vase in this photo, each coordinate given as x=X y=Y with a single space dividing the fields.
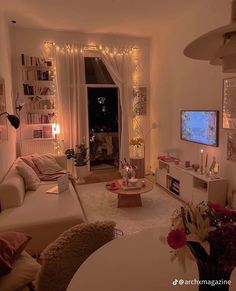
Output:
x=211 y=272
x=137 y=153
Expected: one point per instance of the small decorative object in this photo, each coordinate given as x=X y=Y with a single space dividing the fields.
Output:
x=195 y=167
x=133 y=181
x=216 y=170
x=128 y=171
x=201 y=165
x=187 y=164
x=229 y=103
x=231 y=147
x=194 y=230
x=143 y=183
x=212 y=164
x=80 y=159
x=136 y=143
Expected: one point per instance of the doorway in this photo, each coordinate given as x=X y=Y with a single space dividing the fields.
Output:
x=103 y=117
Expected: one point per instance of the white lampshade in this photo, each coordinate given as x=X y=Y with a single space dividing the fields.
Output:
x=226 y=55
x=217 y=46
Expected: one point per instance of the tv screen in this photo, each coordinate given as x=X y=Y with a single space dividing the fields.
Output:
x=200 y=126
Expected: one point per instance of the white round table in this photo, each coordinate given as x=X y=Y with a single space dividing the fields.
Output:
x=138 y=262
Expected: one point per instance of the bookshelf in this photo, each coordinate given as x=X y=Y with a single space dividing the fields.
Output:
x=37 y=89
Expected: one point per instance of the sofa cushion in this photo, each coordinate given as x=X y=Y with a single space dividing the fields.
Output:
x=43 y=216
x=28 y=174
x=12 y=190
x=47 y=164
x=11 y=246
x=23 y=272
x=28 y=160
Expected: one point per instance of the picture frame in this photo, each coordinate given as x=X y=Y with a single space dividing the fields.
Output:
x=140 y=100
x=231 y=147
x=37 y=133
x=47 y=131
x=229 y=103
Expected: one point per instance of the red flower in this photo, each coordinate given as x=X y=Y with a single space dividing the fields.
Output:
x=218 y=208
x=176 y=239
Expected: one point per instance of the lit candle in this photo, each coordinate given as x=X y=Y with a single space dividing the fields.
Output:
x=201 y=167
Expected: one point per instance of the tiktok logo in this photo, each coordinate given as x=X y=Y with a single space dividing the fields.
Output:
x=175 y=282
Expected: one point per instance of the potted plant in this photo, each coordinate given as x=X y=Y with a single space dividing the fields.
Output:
x=79 y=155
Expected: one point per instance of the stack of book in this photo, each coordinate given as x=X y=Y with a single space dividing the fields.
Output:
x=36 y=118
x=34 y=90
x=174 y=186
x=34 y=61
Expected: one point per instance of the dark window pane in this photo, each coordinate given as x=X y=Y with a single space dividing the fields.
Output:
x=103 y=109
x=96 y=72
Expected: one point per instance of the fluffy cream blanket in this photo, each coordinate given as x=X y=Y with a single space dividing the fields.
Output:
x=62 y=258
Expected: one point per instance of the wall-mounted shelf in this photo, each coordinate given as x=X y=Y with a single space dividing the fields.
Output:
x=37 y=90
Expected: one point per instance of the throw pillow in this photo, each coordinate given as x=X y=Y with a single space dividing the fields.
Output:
x=28 y=174
x=24 y=271
x=47 y=164
x=28 y=160
x=11 y=246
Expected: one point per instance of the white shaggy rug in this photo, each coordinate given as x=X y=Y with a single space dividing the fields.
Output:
x=100 y=204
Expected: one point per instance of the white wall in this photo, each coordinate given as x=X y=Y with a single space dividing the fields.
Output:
x=182 y=83
x=7 y=148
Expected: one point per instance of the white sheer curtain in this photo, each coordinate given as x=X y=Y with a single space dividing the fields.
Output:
x=72 y=103
x=120 y=69
x=71 y=96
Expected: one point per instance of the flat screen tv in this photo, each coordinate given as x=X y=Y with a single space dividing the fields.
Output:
x=200 y=126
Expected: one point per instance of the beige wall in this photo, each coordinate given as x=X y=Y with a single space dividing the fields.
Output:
x=7 y=148
x=182 y=83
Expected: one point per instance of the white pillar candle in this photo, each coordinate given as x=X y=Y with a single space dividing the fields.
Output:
x=201 y=166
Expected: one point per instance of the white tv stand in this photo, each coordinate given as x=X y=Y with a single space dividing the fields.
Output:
x=190 y=186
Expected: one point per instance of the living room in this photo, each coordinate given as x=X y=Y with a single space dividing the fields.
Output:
x=148 y=40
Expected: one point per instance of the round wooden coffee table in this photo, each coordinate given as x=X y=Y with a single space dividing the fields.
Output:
x=130 y=198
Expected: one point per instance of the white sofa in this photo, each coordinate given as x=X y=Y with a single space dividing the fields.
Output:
x=41 y=215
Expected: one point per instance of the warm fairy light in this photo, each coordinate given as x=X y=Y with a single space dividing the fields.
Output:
x=136 y=76
x=131 y=51
x=48 y=45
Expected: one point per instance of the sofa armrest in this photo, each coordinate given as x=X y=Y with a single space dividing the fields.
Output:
x=61 y=160
x=12 y=191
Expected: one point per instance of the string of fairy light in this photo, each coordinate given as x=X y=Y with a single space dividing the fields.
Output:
x=74 y=49
x=132 y=51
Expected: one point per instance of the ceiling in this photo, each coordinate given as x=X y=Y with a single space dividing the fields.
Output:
x=133 y=17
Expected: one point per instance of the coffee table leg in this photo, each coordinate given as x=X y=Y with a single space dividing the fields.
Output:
x=133 y=200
